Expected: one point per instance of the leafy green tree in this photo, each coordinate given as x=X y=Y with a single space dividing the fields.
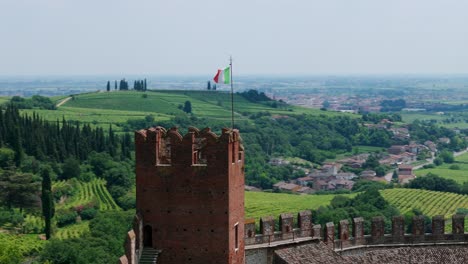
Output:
x=434 y=183
x=372 y=162
x=447 y=156
x=70 y=169
x=187 y=107
x=7 y=157
x=108 y=86
x=380 y=171
x=48 y=208
x=18 y=189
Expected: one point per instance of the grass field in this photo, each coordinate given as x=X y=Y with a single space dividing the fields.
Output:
x=459 y=118
x=459 y=176
x=4 y=99
x=103 y=108
x=258 y=204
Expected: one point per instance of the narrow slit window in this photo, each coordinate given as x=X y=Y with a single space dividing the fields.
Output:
x=236 y=236
x=233 y=154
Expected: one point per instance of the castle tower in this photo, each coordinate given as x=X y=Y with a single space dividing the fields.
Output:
x=190 y=194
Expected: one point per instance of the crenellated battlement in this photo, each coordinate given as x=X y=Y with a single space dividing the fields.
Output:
x=157 y=146
x=346 y=238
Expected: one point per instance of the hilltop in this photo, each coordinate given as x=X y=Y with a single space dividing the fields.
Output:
x=104 y=108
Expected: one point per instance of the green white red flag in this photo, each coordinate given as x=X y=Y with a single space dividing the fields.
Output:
x=223 y=76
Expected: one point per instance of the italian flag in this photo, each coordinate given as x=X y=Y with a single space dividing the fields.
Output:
x=223 y=76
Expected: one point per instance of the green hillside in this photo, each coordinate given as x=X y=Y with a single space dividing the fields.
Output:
x=106 y=108
x=258 y=204
x=459 y=175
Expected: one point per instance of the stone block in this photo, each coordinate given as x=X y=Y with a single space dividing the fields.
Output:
x=304 y=221
x=398 y=228
x=418 y=225
x=286 y=223
x=249 y=229
x=458 y=225
x=438 y=225
x=317 y=231
x=267 y=225
x=343 y=230
x=358 y=228
x=330 y=232
x=377 y=229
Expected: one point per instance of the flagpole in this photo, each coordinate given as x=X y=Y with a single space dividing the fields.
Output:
x=232 y=93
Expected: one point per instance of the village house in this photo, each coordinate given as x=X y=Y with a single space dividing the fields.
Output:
x=444 y=140
x=431 y=145
x=405 y=173
x=252 y=188
x=285 y=186
x=396 y=149
x=401 y=133
x=367 y=174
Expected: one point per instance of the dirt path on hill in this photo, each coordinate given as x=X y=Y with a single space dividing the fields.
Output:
x=63 y=101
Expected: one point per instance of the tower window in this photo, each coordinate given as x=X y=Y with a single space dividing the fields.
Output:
x=236 y=236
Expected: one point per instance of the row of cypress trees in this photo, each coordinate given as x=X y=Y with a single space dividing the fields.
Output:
x=57 y=141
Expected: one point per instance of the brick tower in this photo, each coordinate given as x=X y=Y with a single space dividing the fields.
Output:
x=190 y=194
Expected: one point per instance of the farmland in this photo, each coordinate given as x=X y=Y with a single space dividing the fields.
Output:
x=94 y=190
x=431 y=203
x=103 y=109
x=459 y=175
x=258 y=204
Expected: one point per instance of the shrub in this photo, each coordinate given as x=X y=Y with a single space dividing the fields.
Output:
x=454 y=167
x=88 y=213
x=429 y=166
x=66 y=218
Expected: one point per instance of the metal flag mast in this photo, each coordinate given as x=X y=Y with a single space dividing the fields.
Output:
x=232 y=93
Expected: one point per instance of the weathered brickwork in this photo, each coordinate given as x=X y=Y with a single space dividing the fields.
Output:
x=438 y=226
x=398 y=228
x=458 y=224
x=190 y=194
x=378 y=229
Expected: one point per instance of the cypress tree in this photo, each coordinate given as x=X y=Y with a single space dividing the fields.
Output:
x=48 y=208
x=108 y=86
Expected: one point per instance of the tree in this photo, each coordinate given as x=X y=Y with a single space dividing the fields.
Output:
x=208 y=86
x=108 y=86
x=70 y=169
x=187 y=107
x=48 y=208
x=371 y=162
x=395 y=174
x=326 y=104
x=447 y=156
x=380 y=171
x=18 y=189
x=115 y=85
x=7 y=157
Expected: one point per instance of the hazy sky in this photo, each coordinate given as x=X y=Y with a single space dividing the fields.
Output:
x=263 y=36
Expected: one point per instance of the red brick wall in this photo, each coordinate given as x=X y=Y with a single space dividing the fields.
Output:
x=192 y=201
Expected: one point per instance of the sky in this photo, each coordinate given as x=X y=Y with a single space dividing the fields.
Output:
x=267 y=37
